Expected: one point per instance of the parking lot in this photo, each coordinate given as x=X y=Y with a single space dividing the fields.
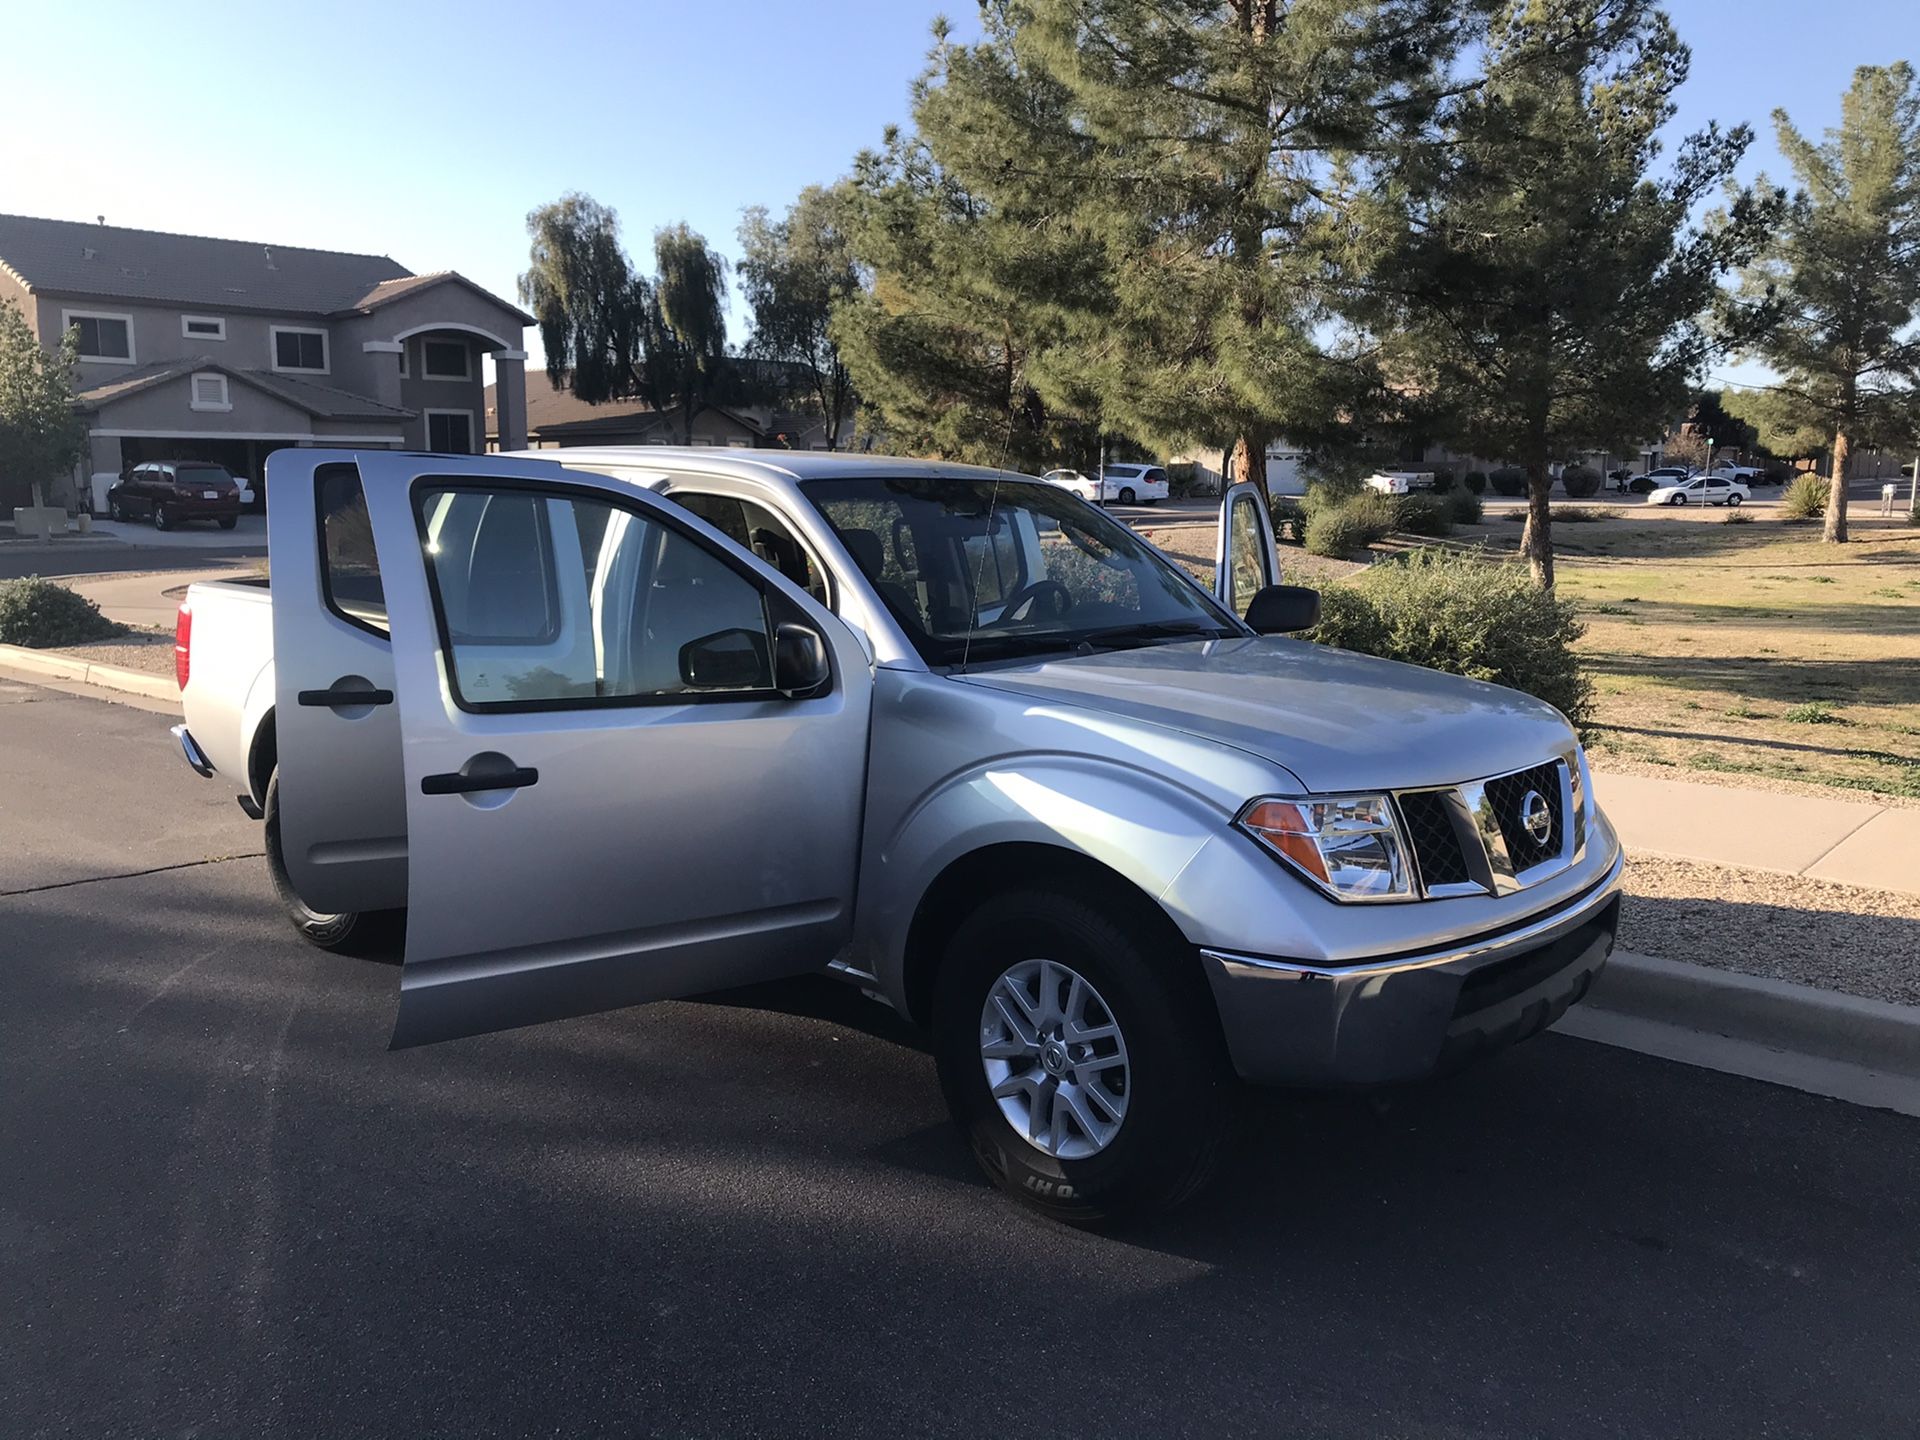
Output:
x=227 y=1209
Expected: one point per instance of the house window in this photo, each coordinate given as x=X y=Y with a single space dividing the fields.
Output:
x=203 y=327
x=446 y=360
x=210 y=392
x=406 y=351
x=450 y=432
x=300 y=350
x=102 y=337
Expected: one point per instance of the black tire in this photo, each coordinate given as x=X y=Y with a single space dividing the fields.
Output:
x=161 y=519
x=1126 y=495
x=227 y=522
x=1183 y=1097
x=370 y=933
x=1733 y=500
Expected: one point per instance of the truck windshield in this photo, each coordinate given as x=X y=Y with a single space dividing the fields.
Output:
x=976 y=570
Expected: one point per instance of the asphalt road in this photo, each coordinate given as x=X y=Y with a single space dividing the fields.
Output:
x=227 y=1210
x=99 y=557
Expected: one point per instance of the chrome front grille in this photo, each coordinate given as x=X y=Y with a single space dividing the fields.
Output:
x=1497 y=835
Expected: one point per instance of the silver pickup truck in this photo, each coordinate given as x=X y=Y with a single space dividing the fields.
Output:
x=618 y=725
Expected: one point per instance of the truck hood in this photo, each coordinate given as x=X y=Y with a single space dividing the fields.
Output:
x=1336 y=720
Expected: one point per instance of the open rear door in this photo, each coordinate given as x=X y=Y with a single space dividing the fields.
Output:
x=342 y=808
x=634 y=756
x=1245 y=560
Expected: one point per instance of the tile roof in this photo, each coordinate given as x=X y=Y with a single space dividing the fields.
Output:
x=388 y=291
x=323 y=402
x=72 y=258
x=553 y=410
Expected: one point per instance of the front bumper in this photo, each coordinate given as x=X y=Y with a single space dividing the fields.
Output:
x=1404 y=1017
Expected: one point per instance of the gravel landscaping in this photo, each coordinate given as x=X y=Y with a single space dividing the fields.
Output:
x=1784 y=927
x=148 y=650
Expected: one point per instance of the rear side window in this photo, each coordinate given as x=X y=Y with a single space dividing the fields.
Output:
x=349 y=568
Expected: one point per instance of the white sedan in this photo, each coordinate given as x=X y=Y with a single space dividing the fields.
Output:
x=1703 y=490
x=1127 y=484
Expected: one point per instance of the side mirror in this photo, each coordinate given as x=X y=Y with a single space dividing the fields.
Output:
x=800 y=664
x=725 y=660
x=1283 y=609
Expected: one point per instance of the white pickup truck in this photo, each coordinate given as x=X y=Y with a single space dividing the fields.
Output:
x=619 y=725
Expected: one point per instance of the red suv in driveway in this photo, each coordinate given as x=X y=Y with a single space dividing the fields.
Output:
x=170 y=491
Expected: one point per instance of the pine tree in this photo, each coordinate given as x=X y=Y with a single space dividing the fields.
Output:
x=1135 y=207
x=1548 y=292
x=1844 y=272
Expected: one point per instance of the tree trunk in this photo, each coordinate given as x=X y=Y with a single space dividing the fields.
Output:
x=1536 y=540
x=1250 y=463
x=1836 y=530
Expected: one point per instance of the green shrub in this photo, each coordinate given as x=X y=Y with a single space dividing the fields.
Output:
x=1423 y=515
x=1580 y=481
x=1289 y=519
x=1326 y=494
x=1465 y=507
x=1805 y=498
x=41 y=614
x=1465 y=615
x=1814 y=712
x=1342 y=529
x=1508 y=480
x=1476 y=482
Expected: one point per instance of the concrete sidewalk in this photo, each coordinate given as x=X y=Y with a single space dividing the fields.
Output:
x=1848 y=841
x=150 y=599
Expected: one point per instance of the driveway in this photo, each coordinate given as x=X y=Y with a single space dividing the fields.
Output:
x=227 y=1209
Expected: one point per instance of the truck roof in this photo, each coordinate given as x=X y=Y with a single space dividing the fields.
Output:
x=795 y=465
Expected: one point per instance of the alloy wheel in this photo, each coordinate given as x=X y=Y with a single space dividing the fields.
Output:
x=1055 y=1060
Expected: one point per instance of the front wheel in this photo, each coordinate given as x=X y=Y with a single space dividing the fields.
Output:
x=353 y=933
x=161 y=519
x=1084 y=1065
x=1678 y=500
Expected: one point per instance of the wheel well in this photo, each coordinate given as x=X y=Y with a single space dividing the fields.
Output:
x=981 y=873
x=264 y=755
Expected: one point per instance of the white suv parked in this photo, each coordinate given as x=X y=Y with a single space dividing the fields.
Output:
x=1127 y=484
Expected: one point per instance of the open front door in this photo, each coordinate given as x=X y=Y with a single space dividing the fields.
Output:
x=634 y=756
x=1245 y=560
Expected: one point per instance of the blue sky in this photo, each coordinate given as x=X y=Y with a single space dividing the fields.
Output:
x=427 y=130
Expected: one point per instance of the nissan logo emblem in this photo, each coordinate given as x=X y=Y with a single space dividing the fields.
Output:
x=1537 y=816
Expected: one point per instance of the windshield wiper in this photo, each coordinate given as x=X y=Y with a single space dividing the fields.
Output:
x=1153 y=632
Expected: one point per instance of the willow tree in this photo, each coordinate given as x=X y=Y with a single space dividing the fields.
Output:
x=1138 y=205
x=793 y=271
x=589 y=304
x=1844 y=270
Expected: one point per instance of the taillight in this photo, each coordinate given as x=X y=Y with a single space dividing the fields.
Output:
x=183 y=644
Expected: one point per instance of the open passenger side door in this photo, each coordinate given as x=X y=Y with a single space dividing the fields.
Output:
x=1245 y=559
x=634 y=756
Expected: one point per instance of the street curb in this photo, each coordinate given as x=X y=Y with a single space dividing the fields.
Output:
x=107 y=677
x=1820 y=1024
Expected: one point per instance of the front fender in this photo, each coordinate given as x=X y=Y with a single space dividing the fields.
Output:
x=1143 y=828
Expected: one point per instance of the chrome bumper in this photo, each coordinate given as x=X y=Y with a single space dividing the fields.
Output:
x=1402 y=1017
x=196 y=757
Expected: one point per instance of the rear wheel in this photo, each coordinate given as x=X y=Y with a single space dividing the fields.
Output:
x=227 y=522
x=1085 y=1067
x=353 y=933
x=1733 y=499
x=1126 y=495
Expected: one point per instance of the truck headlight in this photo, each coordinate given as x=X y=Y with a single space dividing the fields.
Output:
x=1348 y=845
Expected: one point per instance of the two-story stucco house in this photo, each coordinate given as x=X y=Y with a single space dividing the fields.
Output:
x=194 y=348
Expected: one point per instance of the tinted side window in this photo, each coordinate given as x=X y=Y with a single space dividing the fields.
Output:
x=756 y=528
x=349 y=568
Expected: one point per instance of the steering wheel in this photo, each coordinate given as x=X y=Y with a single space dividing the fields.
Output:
x=1027 y=594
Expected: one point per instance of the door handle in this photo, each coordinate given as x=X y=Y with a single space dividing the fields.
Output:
x=457 y=783
x=335 y=698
